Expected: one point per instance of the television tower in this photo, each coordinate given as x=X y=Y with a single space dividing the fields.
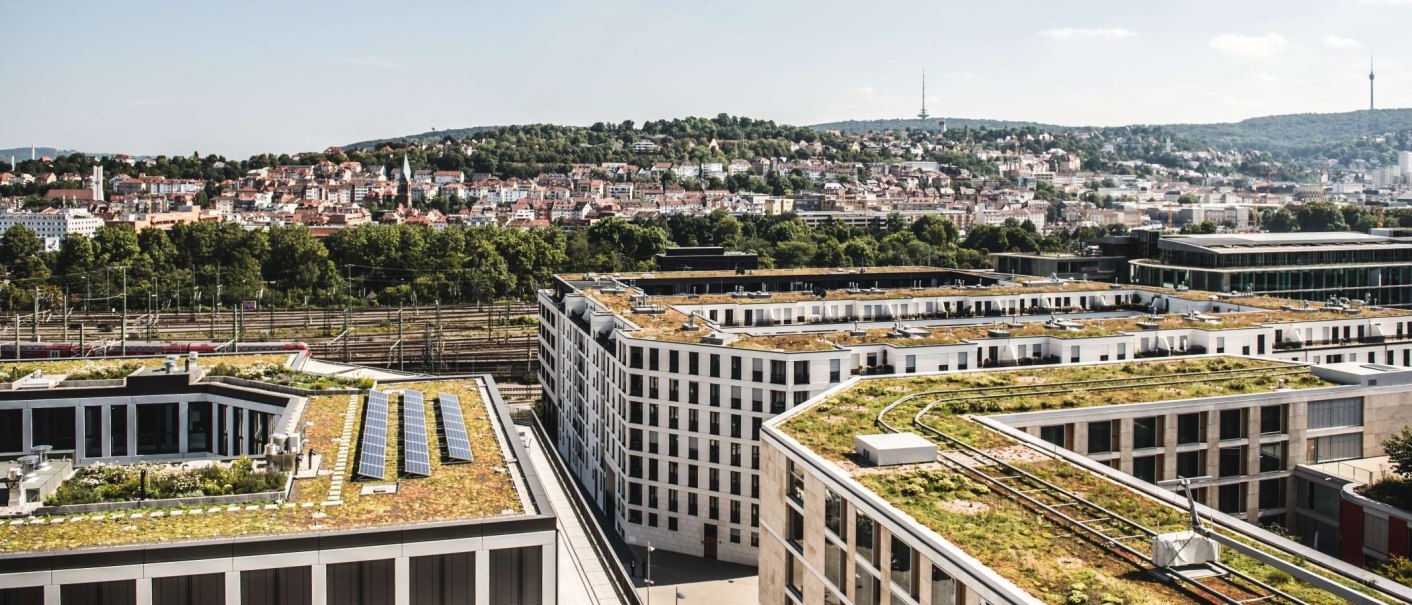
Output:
x=923 y=113
x=1370 y=84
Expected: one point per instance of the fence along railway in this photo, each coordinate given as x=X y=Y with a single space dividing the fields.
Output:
x=493 y=338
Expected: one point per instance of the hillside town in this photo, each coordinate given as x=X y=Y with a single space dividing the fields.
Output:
x=1051 y=189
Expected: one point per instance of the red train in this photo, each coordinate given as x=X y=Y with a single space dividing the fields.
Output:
x=59 y=350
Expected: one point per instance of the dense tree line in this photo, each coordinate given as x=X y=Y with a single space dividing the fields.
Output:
x=211 y=263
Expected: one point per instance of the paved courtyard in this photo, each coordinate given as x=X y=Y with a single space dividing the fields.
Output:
x=699 y=581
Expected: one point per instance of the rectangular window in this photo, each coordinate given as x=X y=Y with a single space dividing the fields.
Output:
x=55 y=426
x=1101 y=437
x=1191 y=464
x=735 y=367
x=1232 y=461
x=714 y=365
x=1233 y=424
x=515 y=575
x=1336 y=413
x=794 y=528
x=865 y=540
x=904 y=565
x=1146 y=468
x=835 y=370
x=203 y=589
x=117 y=592
x=795 y=482
x=835 y=563
x=1055 y=434
x=361 y=582
x=282 y=586
x=1375 y=534
x=867 y=590
x=943 y=588
x=1230 y=499
x=1335 y=447
x=1147 y=432
x=1191 y=428
x=794 y=576
x=447 y=579
x=1272 y=420
x=693 y=363
x=1272 y=457
x=1272 y=494
x=835 y=511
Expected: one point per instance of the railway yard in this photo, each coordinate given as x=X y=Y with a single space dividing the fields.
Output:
x=498 y=339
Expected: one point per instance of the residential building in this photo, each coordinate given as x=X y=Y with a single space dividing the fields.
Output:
x=52 y=225
x=962 y=488
x=658 y=383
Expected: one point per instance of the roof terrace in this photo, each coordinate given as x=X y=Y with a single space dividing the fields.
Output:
x=323 y=501
x=1004 y=523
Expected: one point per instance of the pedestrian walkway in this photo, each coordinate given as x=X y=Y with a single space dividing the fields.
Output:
x=582 y=577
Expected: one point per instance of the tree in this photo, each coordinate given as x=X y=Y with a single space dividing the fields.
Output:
x=1320 y=216
x=935 y=230
x=1278 y=221
x=1203 y=228
x=19 y=243
x=1398 y=448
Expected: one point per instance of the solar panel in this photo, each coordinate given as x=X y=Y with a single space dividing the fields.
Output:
x=415 y=458
x=458 y=444
x=372 y=462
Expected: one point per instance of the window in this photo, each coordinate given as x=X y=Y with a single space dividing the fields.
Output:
x=445 y=579
x=795 y=482
x=904 y=565
x=55 y=426
x=1233 y=424
x=1147 y=432
x=282 y=586
x=1335 y=413
x=714 y=365
x=1272 y=419
x=835 y=563
x=795 y=576
x=1272 y=457
x=801 y=372
x=735 y=367
x=693 y=363
x=1335 y=447
x=794 y=528
x=777 y=371
x=1232 y=461
x=515 y=575
x=1101 y=437
x=943 y=588
x=865 y=540
x=1055 y=434
x=12 y=429
x=1375 y=534
x=363 y=582
x=1191 y=428
x=1191 y=464
x=835 y=511
x=835 y=370
x=1146 y=468
x=1272 y=494
x=204 y=589
x=1230 y=499
x=867 y=590
x=117 y=592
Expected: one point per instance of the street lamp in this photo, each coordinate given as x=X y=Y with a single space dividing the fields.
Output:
x=647 y=573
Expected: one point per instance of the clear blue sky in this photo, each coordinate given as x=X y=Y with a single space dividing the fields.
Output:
x=238 y=78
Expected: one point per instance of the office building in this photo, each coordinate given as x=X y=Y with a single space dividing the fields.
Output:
x=657 y=384
x=1305 y=266
x=1042 y=486
x=171 y=485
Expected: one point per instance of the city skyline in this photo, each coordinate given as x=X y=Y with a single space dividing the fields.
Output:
x=172 y=78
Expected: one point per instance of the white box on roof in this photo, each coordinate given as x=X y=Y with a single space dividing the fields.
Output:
x=895 y=448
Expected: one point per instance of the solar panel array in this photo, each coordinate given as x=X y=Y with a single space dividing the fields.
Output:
x=458 y=444
x=415 y=457
x=372 y=462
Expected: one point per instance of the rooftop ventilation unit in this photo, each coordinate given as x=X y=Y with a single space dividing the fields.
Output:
x=891 y=449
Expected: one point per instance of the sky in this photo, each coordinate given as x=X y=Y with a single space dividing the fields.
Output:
x=255 y=76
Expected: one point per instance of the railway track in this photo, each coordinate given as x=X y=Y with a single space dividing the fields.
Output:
x=499 y=339
x=1124 y=538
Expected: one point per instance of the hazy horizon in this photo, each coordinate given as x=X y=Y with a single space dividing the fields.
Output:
x=171 y=78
